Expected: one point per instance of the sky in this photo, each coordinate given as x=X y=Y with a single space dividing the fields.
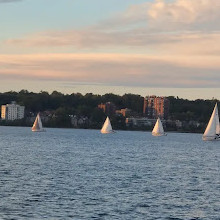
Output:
x=146 y=47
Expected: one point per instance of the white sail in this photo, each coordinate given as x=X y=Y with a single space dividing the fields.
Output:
x=158 y=129
x=213 y=129
x=106 y=128
x=37 y=126
x=217 y=121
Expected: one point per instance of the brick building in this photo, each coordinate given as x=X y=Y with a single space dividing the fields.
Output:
x=109 y=108
x=155 y=106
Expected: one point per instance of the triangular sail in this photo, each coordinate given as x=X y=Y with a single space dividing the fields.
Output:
x=213 y=126
x=217 y=121
x=37 y=126
x=158 y=128
x=106 y=128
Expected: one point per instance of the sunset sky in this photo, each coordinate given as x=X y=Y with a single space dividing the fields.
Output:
x=146 y=47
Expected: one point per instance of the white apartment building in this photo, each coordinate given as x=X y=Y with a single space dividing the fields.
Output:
x=12 y=111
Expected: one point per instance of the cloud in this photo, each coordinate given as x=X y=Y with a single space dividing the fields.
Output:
x=141 y=41
x=173 y=15
x=8 y=1
x=163 y=27
x=113 y=69
x=179 y=41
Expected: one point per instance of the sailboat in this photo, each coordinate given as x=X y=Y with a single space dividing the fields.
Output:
x=212 y=131
x=107 y=128
x=158 y=129
x=37 y=126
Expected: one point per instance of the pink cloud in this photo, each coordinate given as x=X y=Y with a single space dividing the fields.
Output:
x=113 y=69
x=181 y=38
x=160 y=27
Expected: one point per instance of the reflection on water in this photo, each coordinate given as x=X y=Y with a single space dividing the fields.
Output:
x=82 y=174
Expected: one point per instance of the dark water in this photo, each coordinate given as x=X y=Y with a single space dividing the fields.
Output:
x=82 y=174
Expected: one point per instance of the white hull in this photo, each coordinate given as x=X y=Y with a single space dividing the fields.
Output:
x=38 y=130
x=159 y=135
x=217 y=138
x=109 y=132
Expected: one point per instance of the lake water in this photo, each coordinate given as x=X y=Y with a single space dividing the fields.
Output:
x=82 y=174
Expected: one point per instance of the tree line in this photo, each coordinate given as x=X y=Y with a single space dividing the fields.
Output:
x=63 y=105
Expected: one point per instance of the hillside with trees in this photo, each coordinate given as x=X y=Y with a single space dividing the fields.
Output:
x=61 y=107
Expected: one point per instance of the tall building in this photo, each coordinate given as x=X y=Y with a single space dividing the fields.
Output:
x=12 y=111
x=109 y=108
x=155 y=107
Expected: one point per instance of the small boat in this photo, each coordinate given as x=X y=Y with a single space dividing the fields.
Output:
x=212 y=132
x=37 y=126
x=158 y=129
x=107 y=128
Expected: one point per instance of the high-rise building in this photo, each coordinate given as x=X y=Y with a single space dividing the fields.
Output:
x=155 y=107
x=109 y=108
x=12 y=111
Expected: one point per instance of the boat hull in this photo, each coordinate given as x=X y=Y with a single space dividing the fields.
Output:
x=159 y=135
x=108 y=132
x=38 y=130
x=211 y=138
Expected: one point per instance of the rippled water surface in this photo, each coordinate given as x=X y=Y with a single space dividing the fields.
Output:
x=82 y=174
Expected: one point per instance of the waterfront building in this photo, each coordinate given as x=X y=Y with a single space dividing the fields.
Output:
x=125 y=112
x=80 y=121
x=155 y=106
x=109 y=108
x=12 y=112
x=139 y=121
